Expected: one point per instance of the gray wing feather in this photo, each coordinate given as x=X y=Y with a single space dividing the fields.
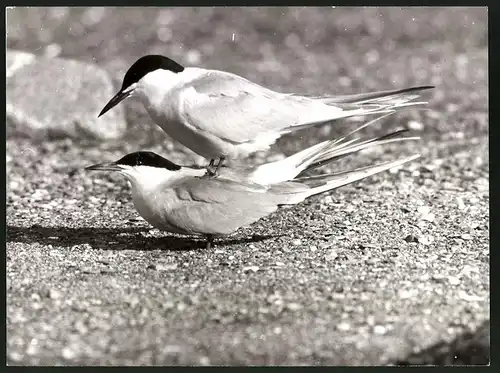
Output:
x=219 y=206
x=235 y=109
x=216 y=190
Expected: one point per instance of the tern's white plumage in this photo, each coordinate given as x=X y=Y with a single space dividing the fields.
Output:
x=222 y=115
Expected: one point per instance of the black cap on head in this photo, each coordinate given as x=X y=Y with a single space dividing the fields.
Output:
x=146 y=64
x=148 y=159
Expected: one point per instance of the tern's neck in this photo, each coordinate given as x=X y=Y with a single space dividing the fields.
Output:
x=153 y=87
x=146 y=179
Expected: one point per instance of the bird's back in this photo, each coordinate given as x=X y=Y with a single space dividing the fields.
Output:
x=211 y=206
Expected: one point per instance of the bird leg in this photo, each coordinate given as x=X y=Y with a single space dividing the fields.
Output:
x=210 y=241
x=219 y=165
x=210 y=171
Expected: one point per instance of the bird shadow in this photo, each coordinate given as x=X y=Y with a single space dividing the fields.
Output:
x=125 y=238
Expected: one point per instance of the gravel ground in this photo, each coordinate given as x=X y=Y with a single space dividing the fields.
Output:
x=375 y=273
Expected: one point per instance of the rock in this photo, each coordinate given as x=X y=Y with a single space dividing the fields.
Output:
x=15 y=60
x=60 y=97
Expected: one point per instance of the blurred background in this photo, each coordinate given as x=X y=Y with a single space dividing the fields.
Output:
x=313 y=50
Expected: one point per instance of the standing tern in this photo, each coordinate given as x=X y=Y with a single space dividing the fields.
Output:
x=222 y=115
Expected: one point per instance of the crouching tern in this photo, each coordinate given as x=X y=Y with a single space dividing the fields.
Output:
x=180 y=199
x=222 y=115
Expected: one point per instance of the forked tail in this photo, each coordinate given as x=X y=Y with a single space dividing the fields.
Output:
x=321 y=154
x=382 y=102
x=301 y=188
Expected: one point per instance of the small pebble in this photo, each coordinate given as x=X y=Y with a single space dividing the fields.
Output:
x=166 y=267
x=415 y=126
x=204 y=360
x=80 y=327
x=405 y=294
x=423 y=210
x=293 y=306
x=52 y=50
x=411 y=238
x=54 y=294
x=343 y=326
x=331 y=255
x=425 y=277
x=426 y=239
x=32 y=350
x=68 y=353
x=250 y=269
x=438 y=278
x=466 y=236
x=168 y=305
x=482 y=184
x=428 y=217
x=379 y=329
x=327 y=200
x=15 y=356
x=296 y=242
x=468 y=297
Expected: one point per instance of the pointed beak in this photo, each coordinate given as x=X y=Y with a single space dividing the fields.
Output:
x=119 y=97
x=107 y=166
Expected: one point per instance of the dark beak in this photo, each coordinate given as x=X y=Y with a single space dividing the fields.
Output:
x=119 y=97
x=108 y=166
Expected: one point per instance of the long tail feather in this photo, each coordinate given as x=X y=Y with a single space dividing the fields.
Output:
x=349 y=144
x=362 y=104
x=335 y=154
x=377 y=97
x=323 y=183
x=321 y=154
